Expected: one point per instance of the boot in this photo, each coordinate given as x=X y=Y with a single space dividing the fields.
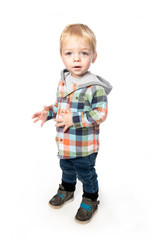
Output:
x=86 y=210
x=61 y=197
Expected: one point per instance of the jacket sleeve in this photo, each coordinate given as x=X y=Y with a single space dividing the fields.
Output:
x=52 y=111
x=97 y=114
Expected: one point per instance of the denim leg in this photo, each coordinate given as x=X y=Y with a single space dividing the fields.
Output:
x=87 y=173
x=68 y=171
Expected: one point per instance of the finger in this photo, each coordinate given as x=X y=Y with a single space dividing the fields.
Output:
x=59 y=120
x=65 y=128
x=42 y=123
x=37 y=114
x=46 y=108
x=36 y=120
x=34 y=115
x=60 y=124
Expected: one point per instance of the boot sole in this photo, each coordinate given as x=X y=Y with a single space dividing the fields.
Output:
x=57 y=207
x=87 y=221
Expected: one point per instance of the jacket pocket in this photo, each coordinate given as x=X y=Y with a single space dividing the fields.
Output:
x=77 y=103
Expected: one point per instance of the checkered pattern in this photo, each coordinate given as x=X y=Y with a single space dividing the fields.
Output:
x=89 y=108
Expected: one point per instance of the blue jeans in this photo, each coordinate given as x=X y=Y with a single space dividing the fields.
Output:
x=83 y=169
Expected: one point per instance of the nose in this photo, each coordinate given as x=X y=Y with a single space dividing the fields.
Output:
x=76 y=58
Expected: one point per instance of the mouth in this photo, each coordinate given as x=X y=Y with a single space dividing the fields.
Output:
x=77 y=67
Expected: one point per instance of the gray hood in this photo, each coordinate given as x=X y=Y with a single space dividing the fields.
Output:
x=89 y=79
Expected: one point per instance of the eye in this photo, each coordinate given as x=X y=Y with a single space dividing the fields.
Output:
x=84 y=53
x=68 y=53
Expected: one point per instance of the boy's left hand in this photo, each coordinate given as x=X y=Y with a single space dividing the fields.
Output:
x=65 y=120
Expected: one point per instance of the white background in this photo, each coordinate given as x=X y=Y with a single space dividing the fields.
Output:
x=128 y=36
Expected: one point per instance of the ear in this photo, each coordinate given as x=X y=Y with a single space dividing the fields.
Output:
x=94 y=58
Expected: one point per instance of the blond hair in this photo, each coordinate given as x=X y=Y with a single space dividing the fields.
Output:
x=78 y=31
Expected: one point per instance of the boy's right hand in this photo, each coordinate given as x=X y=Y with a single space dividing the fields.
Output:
x=41 y=116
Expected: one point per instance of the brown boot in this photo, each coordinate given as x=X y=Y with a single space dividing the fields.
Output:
x=61 y=197
x=86 y=210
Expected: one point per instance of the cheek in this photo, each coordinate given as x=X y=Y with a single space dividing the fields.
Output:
x=66 y=62
x=88 y=62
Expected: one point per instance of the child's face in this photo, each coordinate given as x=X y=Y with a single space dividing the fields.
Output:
x=77 y=56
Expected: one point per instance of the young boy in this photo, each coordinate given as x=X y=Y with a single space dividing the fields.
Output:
x=80 y=107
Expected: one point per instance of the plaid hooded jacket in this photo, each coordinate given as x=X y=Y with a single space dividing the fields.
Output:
x=87 y=101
